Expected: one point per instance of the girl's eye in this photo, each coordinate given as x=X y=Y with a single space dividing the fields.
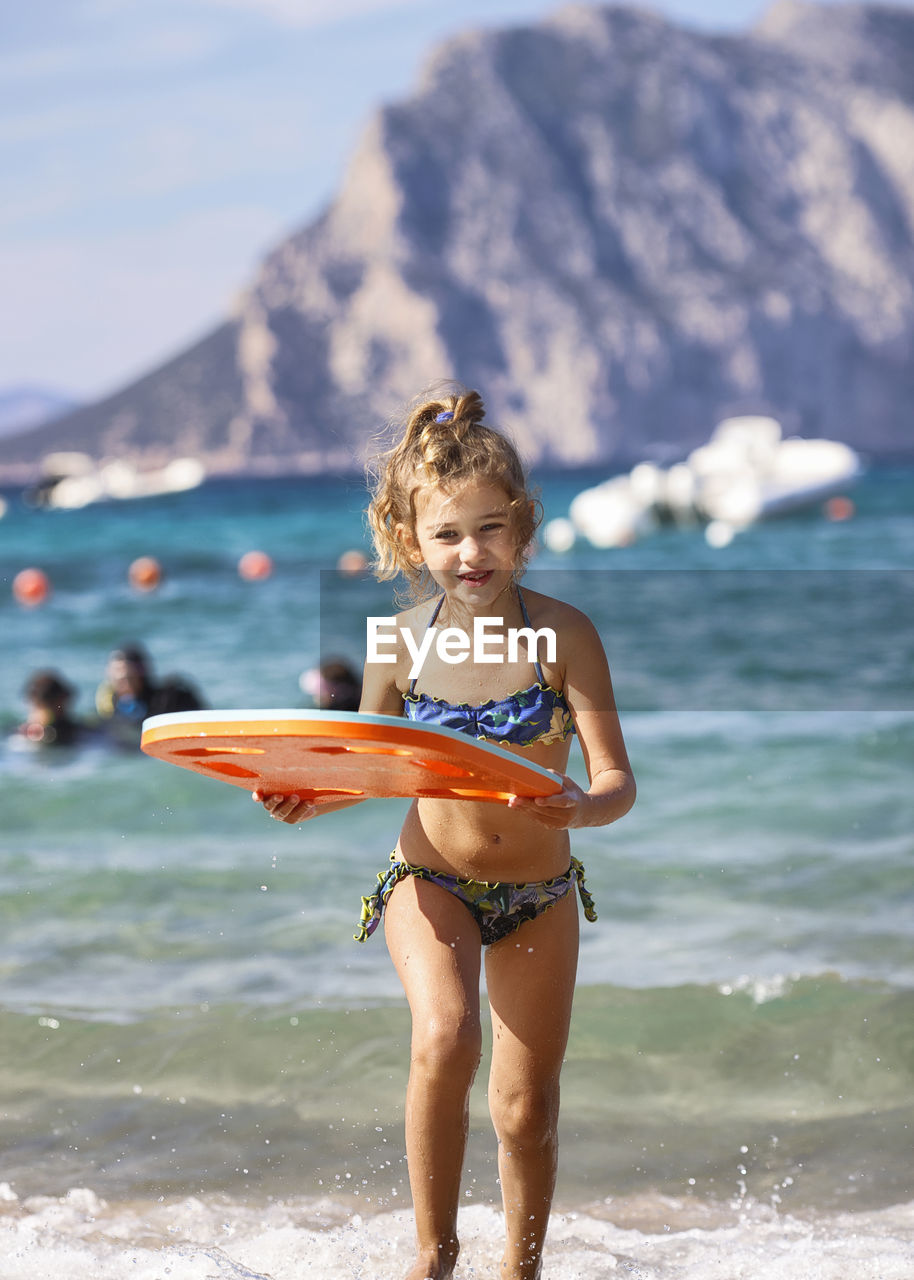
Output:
x=450 y=534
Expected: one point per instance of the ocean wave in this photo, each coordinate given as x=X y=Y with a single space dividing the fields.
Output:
x=794 y=1093
x=82 y=1237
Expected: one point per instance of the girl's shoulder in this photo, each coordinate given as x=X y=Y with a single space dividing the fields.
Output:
x=389 y=657
x=412 y=623
x=565 y=619
x=580 y=653
x=417 y=615
x=414 y=620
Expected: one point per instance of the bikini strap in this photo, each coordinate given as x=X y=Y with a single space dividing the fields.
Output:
x=431 y=622
x=587 y=902
x=541 y=679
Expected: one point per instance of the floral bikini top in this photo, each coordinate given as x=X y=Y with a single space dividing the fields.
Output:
x=537 y=714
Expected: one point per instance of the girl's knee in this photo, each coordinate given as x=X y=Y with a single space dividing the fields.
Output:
x=445 y=1047
x=526 y=1117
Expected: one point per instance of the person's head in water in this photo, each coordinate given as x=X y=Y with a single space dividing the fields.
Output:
x=333 y=685
x=49 y=699
x=128 y=672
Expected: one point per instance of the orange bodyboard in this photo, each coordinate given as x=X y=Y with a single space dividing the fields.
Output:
x=329 y=755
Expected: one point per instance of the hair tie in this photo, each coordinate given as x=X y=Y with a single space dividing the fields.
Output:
x=445 y=415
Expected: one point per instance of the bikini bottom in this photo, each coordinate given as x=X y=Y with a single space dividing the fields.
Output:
x=498 y=908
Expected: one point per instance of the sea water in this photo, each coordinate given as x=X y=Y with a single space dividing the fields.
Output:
x=202 y=1074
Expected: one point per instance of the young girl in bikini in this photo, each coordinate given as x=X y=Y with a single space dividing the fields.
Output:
x=451 y=513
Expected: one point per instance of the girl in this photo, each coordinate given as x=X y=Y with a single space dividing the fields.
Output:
x=451 y=512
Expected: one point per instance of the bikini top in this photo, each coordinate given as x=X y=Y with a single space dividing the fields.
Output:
x=537 y=714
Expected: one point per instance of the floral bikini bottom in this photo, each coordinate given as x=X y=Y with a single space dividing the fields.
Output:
x=498 y=908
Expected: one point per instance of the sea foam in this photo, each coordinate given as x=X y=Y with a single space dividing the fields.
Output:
x=83 y=1237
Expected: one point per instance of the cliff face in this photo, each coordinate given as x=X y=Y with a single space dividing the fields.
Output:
x=618 y=230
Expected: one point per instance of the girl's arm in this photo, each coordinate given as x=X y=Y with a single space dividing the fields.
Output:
x=589 y=693
x=380 y=697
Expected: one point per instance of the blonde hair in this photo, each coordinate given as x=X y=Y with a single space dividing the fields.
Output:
x=444 y=444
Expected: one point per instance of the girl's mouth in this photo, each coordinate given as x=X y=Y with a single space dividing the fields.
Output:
x=476 y=579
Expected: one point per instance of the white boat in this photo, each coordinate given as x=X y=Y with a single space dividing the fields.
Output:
x=746 y=472
x=73 y=480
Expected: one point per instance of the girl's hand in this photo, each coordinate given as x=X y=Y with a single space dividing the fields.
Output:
x=291 y=809
x=558 y=811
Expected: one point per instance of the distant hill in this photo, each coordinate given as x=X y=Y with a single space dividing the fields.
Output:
x=22 y=408
x=618 y=229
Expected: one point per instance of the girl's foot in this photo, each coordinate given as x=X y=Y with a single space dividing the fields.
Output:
x=439 y=1267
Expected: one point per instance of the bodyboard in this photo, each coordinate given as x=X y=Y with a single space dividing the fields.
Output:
x=329 y=755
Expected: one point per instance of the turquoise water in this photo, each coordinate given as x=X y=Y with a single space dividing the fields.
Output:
x=183 y=1012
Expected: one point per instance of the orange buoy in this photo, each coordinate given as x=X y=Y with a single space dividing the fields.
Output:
x=352 y=563
x=31 y=587
x=145 y=574
x=255 y=566
x=839 y=509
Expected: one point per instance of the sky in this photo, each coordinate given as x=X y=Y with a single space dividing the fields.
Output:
x=151 y=153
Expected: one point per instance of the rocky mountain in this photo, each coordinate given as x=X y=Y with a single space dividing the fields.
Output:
x=618 y=229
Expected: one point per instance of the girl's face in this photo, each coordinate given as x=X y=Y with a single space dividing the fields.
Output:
x=467 y=540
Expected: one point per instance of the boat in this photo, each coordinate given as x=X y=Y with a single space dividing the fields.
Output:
x=746 y=472
x=73 y=480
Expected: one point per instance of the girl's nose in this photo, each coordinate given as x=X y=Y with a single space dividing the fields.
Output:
x=469 y=549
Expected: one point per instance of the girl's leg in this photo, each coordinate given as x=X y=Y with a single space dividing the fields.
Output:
x=434 y=943
x=530 y=976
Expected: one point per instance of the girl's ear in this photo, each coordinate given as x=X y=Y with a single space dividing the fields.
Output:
x=408 y=542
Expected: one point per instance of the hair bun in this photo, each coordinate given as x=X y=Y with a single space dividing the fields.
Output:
x=441 y=424
x=470 y=410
